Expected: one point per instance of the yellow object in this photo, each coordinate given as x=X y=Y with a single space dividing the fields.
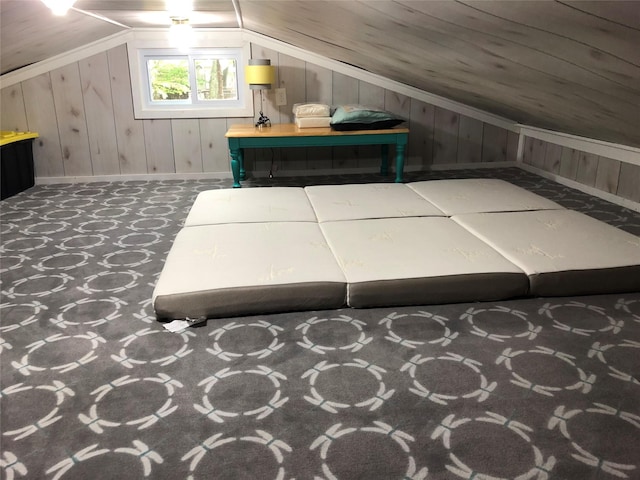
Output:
x=260 y=74
x=7 y=136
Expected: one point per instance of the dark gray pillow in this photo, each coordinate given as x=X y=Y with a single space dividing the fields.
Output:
x=360 y=117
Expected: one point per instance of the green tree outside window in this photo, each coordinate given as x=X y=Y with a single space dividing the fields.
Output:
x=169 y=79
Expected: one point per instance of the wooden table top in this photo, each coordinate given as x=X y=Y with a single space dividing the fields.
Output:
x=291 y=130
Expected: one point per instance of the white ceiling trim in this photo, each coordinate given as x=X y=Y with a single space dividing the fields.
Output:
x=100 y=17
x=236 y=7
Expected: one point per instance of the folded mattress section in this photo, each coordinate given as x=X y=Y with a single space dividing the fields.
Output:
x=248 y=268
x=562 y=251
x=419 y=260
x=475 y=195
x=246 y=205
x=371 y=200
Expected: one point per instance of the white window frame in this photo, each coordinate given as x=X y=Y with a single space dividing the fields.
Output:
x=148 y=44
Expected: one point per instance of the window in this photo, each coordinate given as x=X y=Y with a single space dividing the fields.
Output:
x=202 y=82
x=210 y=78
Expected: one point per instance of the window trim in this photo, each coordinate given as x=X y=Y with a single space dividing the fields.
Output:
x=157 y=43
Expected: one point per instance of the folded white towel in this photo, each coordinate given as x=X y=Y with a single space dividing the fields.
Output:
x=313 y=122
x=304 y=110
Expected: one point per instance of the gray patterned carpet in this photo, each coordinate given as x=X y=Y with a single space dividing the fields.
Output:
x=92 y=387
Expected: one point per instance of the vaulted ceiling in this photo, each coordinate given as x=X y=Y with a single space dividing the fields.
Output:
x=569 y=66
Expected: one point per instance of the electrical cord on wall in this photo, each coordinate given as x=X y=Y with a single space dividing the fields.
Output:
x=272 y=165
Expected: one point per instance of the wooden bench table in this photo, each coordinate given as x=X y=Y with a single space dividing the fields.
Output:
x=243 y=136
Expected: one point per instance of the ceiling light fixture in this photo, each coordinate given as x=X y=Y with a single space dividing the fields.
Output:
x=180 y=33
x=59 y=7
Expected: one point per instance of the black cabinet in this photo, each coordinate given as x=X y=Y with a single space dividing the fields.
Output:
x=16 y=163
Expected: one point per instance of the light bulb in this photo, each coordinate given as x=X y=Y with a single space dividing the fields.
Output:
x=59 y=7
x=180 y=33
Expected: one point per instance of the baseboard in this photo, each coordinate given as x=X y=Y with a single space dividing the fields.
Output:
x=609 y=197
x=263 y=174
x=132 y=178
x=630 y=204
x=464 y=166
x=373 y=170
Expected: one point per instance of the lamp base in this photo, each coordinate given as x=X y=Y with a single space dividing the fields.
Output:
x=263 y=121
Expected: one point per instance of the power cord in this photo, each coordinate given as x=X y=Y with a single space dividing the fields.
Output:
x=271 y=168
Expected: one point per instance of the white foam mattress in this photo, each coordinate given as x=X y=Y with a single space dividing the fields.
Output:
x=246 y=205
x=238 y=268
x=400 y=261
x=562 y=251
x=259 y=250
x=370 y=200
x=475 y=195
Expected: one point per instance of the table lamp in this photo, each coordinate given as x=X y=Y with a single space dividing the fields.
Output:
x=260 y=75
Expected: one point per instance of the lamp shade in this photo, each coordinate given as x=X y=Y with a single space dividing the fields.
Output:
x=259 y=74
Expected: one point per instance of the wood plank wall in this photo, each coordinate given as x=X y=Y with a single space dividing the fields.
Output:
x=84 y=115
x=606 y=174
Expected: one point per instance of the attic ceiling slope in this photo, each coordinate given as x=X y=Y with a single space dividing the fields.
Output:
x=29 y=33
x=572 y=67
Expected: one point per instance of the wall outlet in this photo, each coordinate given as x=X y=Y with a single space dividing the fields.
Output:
x=281 y=96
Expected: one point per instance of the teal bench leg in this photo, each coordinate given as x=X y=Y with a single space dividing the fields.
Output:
x=243 y=173
x=236 y=160
x=399 y=162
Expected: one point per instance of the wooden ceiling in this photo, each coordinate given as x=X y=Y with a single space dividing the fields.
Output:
x=569 y=66
x=29 y=32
